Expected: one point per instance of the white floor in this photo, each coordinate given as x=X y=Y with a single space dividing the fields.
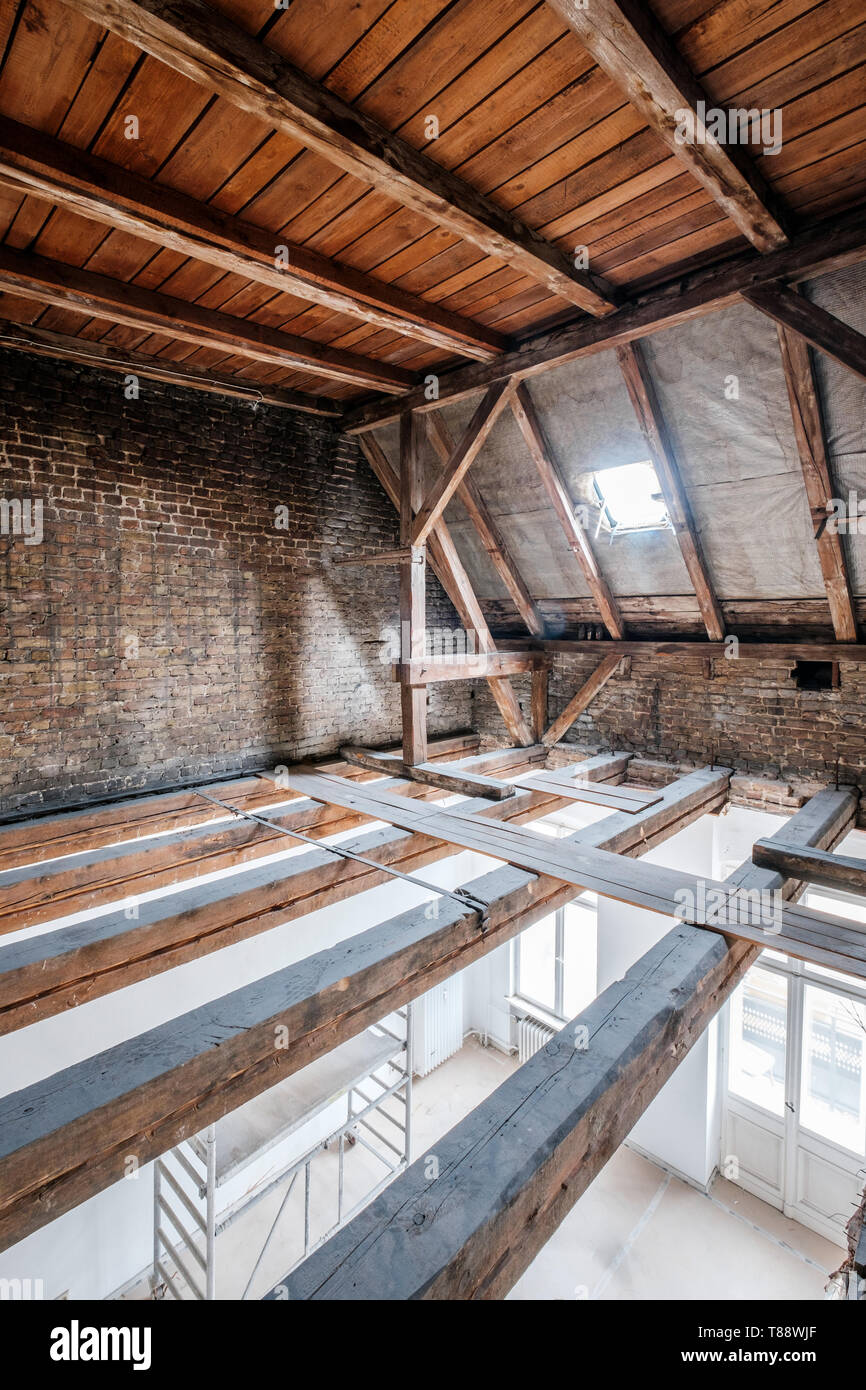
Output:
x=637 y=1233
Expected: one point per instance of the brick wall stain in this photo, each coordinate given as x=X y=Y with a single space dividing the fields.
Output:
x=165 y=628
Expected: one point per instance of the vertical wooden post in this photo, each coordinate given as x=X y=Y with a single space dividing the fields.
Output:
x=413 y=589
x=540 y=675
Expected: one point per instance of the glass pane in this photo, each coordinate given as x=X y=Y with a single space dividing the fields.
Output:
x=537 y=963
x=758 y=1033
x=580 y=965
x=833 y=1091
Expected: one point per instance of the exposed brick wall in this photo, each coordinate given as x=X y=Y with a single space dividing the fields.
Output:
x=750 y=715
x=165 y=628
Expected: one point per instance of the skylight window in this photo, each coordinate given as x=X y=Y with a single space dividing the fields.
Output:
x=630 y=498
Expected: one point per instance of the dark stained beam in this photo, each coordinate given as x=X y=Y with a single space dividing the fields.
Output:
x=826 y=246
x=68 y=287
x=196 y=40
x=64 y=1139
x=823 y=330
x=654 y=430
x=526 y=416
x=34 y=163
x=508 y=1174
x=811 y=445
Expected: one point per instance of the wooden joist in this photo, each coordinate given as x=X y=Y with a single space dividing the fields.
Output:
x=26 y=839
x=827 y=246
x=66 y=1138
x=581 y=701
x=85 y=291
x=486 y=527
x=34 y=893
x=574 y=783
x=510 y=1172
x=199 y=42
x=820 y=328
x=45 y=975
x=818 y=937
x=648 y=411
x=629 y=44
x=526 y=416
x=811 y=865
x=82 y=183
x=811 y=446
x=449 y=778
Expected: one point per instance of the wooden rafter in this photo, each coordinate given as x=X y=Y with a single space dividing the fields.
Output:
x=646 y=406
x=465 y=453
x=32 y=162
x=413 y=593
x=811 y=445
x=196 y=40
x=486 y=527
x=581 y=701
x=630 y=45
x=827 y=246
x=455 y=581
x=523 y=408
x=42 y=342
x=68 y=287
x=544 y=1135
x=820 y=328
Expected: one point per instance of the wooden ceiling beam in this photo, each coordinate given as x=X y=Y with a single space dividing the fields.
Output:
x=827 y=246
x=648 y=411
x=34 y=163
x=526 y=416
x=465 y=453
x=27 y=338
x=206 y=47
x=582 y=700
x=811 y=446
x=486 y=527
x=629 y=44
x=820 y=328
x=68 y=287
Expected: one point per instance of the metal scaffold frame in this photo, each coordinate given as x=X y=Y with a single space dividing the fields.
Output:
x=185 y=1263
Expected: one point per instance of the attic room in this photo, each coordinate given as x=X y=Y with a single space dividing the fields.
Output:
x=432 y=513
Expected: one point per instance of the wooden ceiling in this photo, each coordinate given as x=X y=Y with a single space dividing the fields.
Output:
x=404 y=255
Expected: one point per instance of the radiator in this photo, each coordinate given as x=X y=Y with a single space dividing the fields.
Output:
x=437 y=1025
x=531 y=1035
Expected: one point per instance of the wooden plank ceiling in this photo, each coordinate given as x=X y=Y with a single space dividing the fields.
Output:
x=535 y=139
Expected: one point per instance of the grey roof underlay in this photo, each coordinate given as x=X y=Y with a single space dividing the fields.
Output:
x=736 y=452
